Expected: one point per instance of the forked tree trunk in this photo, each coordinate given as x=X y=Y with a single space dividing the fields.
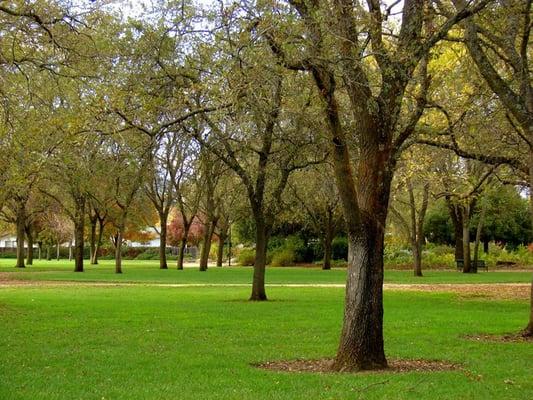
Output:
x=261 y=244
x=29 y=254
x=21 y=234
x=163 y=241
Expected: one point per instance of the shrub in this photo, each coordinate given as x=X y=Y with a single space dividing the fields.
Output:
x=246 y=257
x=284 y=257
x=339 y=248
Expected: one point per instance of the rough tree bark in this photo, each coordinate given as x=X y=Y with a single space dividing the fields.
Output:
x=327 y=240
x=206 y=245
x=262 y=235
x=163 y=218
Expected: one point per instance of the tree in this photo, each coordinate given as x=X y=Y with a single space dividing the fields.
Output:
x=380 y=129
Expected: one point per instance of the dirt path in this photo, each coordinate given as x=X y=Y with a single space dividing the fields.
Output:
x=519 y=291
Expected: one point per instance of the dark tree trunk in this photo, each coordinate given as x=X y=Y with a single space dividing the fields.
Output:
x=29 y=256
x=457 y=221
x=118 y=251
x=79 y=232
x=57 y=250
x=48 y=253
x=21 y=234
x=416 y=247
x=486 y=246
x=528 y=331
x=206 y=245
x=40 y=250
x=361 y=345
x=328 y=239
x=163 y=217
x=261 y=244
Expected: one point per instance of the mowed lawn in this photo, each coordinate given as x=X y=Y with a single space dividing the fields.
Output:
x=143 y=342
x=149 y=272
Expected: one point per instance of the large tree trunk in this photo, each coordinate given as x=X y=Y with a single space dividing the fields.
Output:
x=29 y=254
x=416 y=247
x=21 y=234
x=261 y=244
x=528 y=331
x=79 y=232
x=163 y=217
x=206 y=245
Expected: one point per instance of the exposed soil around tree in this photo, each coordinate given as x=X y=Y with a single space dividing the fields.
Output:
x=324 y=366
x=507 y=338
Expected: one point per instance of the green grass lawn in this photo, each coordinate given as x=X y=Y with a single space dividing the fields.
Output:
x=149 y=272
x=198 y=343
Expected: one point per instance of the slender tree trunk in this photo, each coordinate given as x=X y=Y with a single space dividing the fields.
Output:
x=29 y=256
x=93 y=239
x=220 y=251
x=118 y=251
x=163 y=217
x=467 y=265
x=101 y=227
x=328 y=239
x=21 y=234
x=57 y=250
x=40 y=250
x=416 y=247
x=48 y=253
x=79 y=233
x=70 y=252
x=206 y=246
x=478 y=233
x=181 y=253
x=261 y=244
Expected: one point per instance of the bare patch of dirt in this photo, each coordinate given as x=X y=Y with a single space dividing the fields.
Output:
x=507 y=338
x=323 y=366
x=499 y=291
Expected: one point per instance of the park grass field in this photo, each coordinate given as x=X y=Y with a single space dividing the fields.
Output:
x=149 y=272
x=145 y=342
